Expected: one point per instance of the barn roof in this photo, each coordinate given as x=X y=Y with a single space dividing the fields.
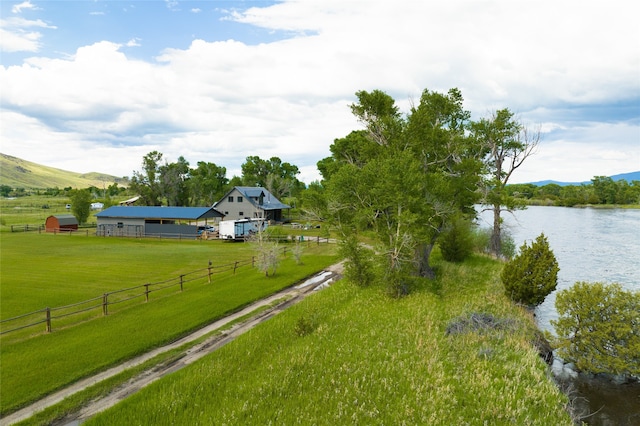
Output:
x=66 y=219
x=150 y=212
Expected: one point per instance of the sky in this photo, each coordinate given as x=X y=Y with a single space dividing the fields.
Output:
x=95 y=85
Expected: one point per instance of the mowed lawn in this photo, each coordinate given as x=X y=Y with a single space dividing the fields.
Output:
x=40 y=270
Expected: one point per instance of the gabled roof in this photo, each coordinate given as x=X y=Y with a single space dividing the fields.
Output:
x=151 y=212
x=66 y=219
x=269 y=201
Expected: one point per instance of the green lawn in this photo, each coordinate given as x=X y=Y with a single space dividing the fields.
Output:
x=40 y=270
x=363 y=358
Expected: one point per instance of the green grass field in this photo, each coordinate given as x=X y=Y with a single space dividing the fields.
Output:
x=40 y=270
x=367 y=359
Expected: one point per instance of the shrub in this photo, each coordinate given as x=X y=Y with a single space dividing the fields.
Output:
x=481 y=238
x=599 y=328
x=359 y=263
x=532 y=274
x=456 y=241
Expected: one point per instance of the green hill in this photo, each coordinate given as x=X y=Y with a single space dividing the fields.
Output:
x=18 y=173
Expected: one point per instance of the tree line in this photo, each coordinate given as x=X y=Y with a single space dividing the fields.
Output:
x=177 y=184
x=601 y=190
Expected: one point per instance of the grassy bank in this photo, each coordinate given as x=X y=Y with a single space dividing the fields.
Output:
x=352 y=355
x=45 y=270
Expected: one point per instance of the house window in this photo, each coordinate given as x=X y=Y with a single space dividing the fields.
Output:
x=226 y=213
x=239 y=199
x=120 y=225
x=241 y=214
x=230 y=199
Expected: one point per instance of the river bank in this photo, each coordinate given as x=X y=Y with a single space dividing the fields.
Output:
x=593 y=245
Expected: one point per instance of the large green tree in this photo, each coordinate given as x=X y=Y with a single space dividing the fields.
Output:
x=158 y=183
x=80 y=204
x=403 y=176
x=208 y=183
x=280 y=178
x=146 y=183
x=174 y=182
x=507 y=144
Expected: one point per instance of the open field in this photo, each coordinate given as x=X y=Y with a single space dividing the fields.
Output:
x=40 y=270
x=351 y=355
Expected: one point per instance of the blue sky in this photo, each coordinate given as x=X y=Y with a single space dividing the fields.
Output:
x=95 y=85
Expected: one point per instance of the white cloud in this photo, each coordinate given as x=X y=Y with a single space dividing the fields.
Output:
x=24 y=5
x=15 y=36
x=225 y=100
x=19 y=41
x=196 y=10
x=134 y=42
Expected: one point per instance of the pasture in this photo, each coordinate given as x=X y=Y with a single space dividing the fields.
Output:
x=40 y=270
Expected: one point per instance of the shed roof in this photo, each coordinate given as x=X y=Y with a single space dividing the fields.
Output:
x=66 y=219
x=151 y=212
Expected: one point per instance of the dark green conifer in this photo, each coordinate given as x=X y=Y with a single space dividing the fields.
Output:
x=532 y=274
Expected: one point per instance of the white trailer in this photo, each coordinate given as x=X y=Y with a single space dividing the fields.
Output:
x=240 y=229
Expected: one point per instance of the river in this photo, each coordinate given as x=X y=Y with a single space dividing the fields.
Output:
x=590 y=245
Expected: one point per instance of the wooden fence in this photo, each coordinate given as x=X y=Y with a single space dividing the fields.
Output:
x=26 y=228
x=100 y=305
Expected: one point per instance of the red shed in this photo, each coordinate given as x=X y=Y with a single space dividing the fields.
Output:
x=61 y=223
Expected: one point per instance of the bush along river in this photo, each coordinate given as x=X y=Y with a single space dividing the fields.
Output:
x=593 y=245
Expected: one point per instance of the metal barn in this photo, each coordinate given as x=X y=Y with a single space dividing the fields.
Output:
x=147 y=221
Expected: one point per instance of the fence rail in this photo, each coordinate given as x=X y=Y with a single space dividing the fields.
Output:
x=49 y=314
x=26 y=228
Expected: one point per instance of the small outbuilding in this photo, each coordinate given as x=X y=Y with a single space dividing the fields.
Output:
x=61 y=223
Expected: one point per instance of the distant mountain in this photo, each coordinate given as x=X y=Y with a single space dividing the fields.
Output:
x=623 y=176
x=18 y=173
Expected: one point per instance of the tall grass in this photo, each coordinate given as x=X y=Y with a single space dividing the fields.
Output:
x=37 y=366
x=366 y=359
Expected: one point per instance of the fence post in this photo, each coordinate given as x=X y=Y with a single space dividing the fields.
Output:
x=181 y=281
x=253 y=261
x=48 y=320
x=235 y=266
x=209 y=274
x=105 y=311
x=146 y=292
